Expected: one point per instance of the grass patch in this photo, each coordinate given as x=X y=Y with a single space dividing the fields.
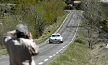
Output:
x=2 y=51
x=50 y=29
x=76 y=54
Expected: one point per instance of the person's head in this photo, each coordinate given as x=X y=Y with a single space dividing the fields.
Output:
x=21 y=31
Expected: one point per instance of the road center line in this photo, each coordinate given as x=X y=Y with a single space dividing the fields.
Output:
x=50 y=56
x=45 y=60
x=63 y=47
x=40 y=63
x=57 y=52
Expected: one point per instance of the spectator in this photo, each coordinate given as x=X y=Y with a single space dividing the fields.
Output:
x=20 y=46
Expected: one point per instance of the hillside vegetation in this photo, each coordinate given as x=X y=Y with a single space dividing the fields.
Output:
x=95 y=21
x=89 y=45
x=78 y=52
x=36 y=14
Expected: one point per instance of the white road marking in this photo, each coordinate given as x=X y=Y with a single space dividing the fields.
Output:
x=56 y=31
x=60 y=50
x=50 y=56
x=63 y=47
x=57 y=52
x=63 y=23
x=46 y=60
x=40 y=63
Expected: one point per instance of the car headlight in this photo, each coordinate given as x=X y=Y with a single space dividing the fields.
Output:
x=60 y=39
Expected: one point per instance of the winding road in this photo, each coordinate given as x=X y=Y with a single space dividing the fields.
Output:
x=48 y=52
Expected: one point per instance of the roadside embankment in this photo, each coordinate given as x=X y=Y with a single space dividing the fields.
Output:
x=78 y=53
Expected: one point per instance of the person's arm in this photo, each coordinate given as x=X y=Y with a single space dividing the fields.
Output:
x=9 y=35
x=33 y=48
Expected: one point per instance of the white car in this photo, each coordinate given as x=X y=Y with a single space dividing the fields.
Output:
x=56 y=38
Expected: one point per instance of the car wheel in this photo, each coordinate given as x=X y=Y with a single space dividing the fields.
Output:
x=50 y=42
x=61 y=41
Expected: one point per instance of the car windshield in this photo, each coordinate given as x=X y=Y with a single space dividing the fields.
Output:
x=55 y=36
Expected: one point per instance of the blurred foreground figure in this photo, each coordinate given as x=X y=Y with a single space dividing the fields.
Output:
x=20 y=46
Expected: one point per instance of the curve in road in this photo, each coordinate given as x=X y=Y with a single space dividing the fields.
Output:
x=49 y=52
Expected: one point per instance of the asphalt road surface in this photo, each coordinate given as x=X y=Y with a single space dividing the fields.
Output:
x=49 y=52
